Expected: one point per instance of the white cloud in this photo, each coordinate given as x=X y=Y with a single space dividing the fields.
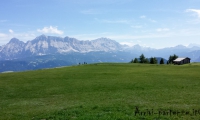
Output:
x=151 y=20
x=115 y=21
x=50 y=29
x=3 y=20
x=137 y=26
x=143 y=16
x=162 y=29
x=120 y=37
x=197 y=11
x=128 y=43
x=2 y=35
x=122 y=21
x=11 y=31
x=90 y=11
x=139 y=41
x=90 y=36
x=5 y=38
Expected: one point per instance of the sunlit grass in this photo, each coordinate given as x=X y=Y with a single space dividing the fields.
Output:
x=101 y=91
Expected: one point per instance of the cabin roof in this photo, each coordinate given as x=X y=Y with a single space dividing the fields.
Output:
x=180 y=59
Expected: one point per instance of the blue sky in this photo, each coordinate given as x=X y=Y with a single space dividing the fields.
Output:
x=153 y=23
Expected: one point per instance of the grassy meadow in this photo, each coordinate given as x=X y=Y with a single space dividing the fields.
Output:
x=104 y=91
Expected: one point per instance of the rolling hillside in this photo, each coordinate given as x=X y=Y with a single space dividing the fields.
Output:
x=102 y=91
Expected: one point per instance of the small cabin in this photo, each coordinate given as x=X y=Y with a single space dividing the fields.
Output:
x=181 y=61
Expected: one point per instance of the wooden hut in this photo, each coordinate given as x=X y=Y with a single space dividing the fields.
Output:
x=181 y=61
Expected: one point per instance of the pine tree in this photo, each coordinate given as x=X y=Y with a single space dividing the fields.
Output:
x=155 y=61
x=172 y=58
x=146 y=60
x=162 y=61
x=151 y=60
x=142 y=58
x=131 y=61
x=135 y=60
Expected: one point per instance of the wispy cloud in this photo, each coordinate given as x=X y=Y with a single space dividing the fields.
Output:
x=90 y=36
x=5 y=38
x=162 y=29
x=149 y=19
x=2 y=35
x=133 y=37
x=3 y=20
x=142 y=16
x=139 y=41
x=115 y=21
x=90 y=11
x=11 y=31
x=158 y=33
x=120 y=37
x=121 y=21
x=137 y=26
x=196 y=11
x=131 y=43
x=50 y=29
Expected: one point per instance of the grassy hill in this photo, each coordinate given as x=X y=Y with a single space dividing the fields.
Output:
x=111 y=91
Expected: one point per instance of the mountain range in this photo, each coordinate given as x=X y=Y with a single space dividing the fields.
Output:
x=51 y=51
x=45 y=45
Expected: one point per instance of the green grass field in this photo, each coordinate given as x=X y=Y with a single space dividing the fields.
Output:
x=107 y=91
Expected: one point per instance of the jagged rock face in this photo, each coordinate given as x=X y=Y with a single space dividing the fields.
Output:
x=1 y=47
x=12 y=49
x=47 y=45
x=44 y=45
x=51 y=45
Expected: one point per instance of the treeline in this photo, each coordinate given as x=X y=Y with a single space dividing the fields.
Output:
x=172 y=58
x=153 y=60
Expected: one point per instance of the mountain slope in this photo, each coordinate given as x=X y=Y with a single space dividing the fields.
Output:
x=13 y=49
x=50 y=51
x=50 y=45
x=44 y=45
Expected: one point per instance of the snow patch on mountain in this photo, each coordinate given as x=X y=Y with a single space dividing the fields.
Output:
x=43 y=45
x=51 y=45
x=15 y=46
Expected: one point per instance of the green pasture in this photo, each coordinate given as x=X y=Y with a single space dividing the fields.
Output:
x=104 y=91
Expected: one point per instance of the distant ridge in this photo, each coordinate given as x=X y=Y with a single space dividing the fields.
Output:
x=52 y=51
x=45 y=45
x=52 y=45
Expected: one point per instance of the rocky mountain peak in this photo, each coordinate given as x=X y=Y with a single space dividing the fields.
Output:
x=15 y=41
x=46 y=45
x=51 y=45
x=41 y=37
x=180 y=47
x=102 y=39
